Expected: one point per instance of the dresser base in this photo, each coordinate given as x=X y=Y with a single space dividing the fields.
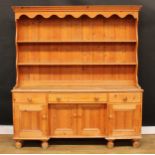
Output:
x=110 y=143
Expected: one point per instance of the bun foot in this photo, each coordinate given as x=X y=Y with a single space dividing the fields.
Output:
x=110 y=144
x=18 y=144
x=44 y=144
x=136 y=143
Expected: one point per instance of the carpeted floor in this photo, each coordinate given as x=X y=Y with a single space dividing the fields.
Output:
x=77 y=146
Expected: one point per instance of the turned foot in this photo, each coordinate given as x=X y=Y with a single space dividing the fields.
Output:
x=110 y=144
x=18 y=144
x=136 y=143
x=44 y=144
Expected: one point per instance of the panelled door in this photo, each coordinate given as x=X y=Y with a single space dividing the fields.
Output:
x=62 y=119
x=31 y=120
x=124 y=119
x=91 y=119
x=77 y=120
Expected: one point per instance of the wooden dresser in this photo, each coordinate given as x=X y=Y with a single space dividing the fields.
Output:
x=76 y=70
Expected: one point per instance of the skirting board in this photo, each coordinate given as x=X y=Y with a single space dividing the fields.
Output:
x=8 y=129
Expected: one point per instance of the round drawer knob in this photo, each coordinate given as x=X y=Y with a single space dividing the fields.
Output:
x=125 y=99
x=96 y=99
x=115 y=96
x=58 y=99
x=29 y=99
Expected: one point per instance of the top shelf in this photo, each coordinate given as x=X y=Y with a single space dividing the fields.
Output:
x=78 y=41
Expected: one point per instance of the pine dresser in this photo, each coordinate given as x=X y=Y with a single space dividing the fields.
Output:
x=77 y=73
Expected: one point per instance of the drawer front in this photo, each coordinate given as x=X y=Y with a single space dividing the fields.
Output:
x=29 y=97
x=125 y=97
x=78 y=98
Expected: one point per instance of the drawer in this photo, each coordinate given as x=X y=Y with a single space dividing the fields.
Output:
x=78 y=98
x=125 y=97
x=29 y=97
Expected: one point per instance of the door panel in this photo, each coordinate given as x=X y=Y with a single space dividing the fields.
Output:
x=91 y=120
x=31 y=121
x=62 y=120
x=124 y=119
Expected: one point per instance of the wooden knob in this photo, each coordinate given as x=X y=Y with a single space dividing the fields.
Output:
x=25 y=110
x=110 y=116
x=58 y=99
x=44 y=116
x=29 y=99
x=134 y=97
x=125 y=99
x=115 y=95
x=74 y=115
x=96 y=99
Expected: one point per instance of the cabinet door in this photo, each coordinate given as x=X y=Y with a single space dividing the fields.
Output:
x=30 y=121
x=62 y=120
x=124 y=119
x=91 y=120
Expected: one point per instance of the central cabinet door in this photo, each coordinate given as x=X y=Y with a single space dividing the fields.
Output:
x=91 y=120
x=77 y=120
x=62 y=119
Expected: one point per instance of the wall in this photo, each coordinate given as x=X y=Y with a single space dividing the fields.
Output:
x=146 y=51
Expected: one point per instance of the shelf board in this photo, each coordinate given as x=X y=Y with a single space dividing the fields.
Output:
x=79 y=87
x=78 y=41
x=70 y=64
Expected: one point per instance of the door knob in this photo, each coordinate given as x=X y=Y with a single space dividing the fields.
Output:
x=44 y=116
x=74 y=115
x=110 y=116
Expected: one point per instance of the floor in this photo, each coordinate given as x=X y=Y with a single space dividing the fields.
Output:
x=78 y=146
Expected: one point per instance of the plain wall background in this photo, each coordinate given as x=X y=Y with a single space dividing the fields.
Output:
x=146 y=51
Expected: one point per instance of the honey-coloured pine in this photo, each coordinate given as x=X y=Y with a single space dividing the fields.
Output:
x=77 y=73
